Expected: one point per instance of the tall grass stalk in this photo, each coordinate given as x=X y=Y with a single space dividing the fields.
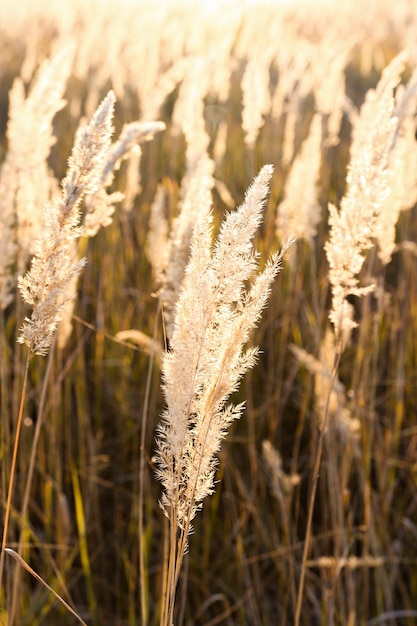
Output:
x=10 y=485
x=46 y=284
x=143 y=585
x=215 y=315
x=314 y=483
x=28 y=484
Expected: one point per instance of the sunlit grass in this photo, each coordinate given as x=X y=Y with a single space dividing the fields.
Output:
x=94 y=497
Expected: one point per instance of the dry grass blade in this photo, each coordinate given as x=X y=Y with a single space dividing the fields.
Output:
x=31 y=571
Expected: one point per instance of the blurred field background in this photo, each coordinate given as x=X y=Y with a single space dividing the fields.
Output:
x=237 y=86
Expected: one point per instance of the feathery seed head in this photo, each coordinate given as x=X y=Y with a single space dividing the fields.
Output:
x=46 y=286
x=214 y=318
x=352 y=228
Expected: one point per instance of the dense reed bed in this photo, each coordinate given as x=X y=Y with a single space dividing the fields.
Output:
x=155 y=163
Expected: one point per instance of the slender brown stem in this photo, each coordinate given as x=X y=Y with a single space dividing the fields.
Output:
x=13 y=469
x=29 y=478
x=143 y=600
x=316 y=472
x=170 y=584
x=175 y=556
x=165 y=568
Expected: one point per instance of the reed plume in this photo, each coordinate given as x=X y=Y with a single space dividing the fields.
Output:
x=256 y=97
x=402 y=169
x=169 y=254
x=353 y=228
x=214 y=318
x=46 y=286
x=195 y=198
x=25 y=180
x=300 y=213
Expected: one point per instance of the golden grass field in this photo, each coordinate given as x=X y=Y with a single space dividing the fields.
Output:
x=116 y=372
